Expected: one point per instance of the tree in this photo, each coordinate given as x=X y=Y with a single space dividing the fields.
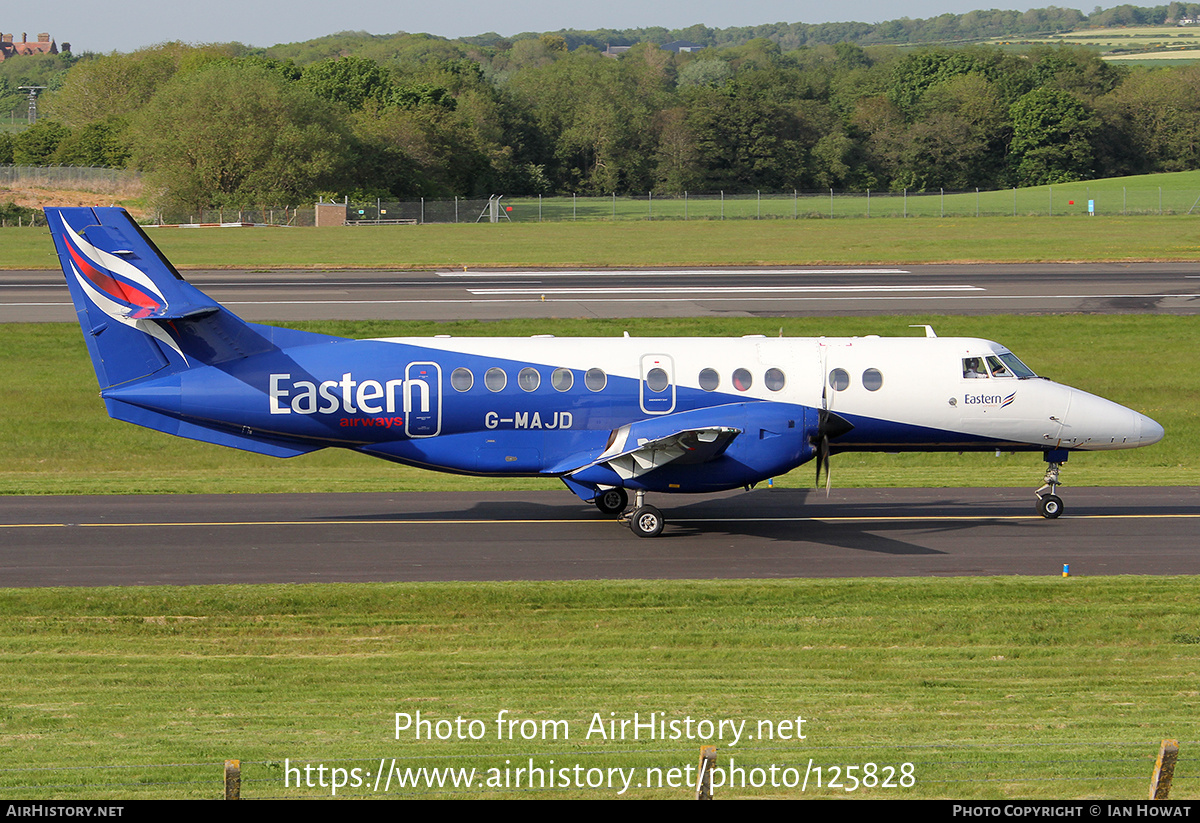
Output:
x=36 y=145
x=1051 y=142
x=351 y=81
x=234 y=135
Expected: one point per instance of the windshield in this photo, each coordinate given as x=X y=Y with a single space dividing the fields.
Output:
x=1001 y=365
x=1013 y=367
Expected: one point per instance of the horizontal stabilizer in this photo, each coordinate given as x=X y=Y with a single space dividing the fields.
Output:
x=251 y=442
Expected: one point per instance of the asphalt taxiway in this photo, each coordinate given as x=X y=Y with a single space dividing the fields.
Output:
x=1109 y=288
x=550 y=535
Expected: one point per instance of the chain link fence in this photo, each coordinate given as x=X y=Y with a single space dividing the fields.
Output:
x=76 y=178
x=1065 y=199
x=267 y=216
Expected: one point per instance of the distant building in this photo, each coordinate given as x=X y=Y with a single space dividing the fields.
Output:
x=677 y=46
x=681 y=45
x=44 y=45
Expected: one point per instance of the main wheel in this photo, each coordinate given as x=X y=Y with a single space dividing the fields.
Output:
x=1050 y=506
x=612 y=501
x=646 y=522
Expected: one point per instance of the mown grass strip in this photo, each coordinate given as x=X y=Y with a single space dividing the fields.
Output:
x=991 y=687
x=659 y=243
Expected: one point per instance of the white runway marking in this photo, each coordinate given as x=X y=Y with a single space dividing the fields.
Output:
x=663 y=272
x=725 y=289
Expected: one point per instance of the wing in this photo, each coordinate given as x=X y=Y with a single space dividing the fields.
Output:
x=631 y=456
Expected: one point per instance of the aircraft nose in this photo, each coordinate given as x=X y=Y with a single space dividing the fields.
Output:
x=1095 y=423
x=1149 y=431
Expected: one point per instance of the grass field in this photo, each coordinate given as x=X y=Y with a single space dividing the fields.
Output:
x=57 y=438
x=989 y=688
x=1159 y=194
x=1146 y=42
x=666 y=243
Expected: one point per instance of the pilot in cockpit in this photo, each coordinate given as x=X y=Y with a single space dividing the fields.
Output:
x=973 y=367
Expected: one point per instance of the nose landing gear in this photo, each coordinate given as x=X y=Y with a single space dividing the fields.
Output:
x=1049 y=504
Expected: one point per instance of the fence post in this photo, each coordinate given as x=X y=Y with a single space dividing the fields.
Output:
x=233 y=780
x=1164 y=770
x=906 y=202
x=685 y=205
x=708 y=758
x=868 y=202
x=722 y=204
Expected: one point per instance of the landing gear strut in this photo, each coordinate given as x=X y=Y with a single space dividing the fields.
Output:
x=646 y=521
x=1049 y=504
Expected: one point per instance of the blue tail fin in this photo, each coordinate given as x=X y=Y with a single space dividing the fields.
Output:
x=139 y=316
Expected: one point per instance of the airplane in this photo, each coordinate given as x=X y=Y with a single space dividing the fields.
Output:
x=607 y=416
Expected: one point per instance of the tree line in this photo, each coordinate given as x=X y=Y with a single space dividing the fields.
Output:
x=222 y=126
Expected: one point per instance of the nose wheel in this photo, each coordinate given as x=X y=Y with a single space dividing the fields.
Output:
x=1049 y=504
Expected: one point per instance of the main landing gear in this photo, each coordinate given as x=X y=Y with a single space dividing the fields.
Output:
x=1049 y=504
x=644 y=521
x=612 y=501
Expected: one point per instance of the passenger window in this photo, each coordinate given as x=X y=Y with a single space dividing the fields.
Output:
x=595 y=379
x=872 y=379
x=742 y=381
x=774 y=379
x=562 y=379
x=529 y=379
x=657 y=380
x=462 y=379
x=973 y=368
x=709 y=379
x=839 y=379
x=495 y=379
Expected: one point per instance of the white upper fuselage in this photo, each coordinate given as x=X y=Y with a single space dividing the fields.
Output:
x=901 y=393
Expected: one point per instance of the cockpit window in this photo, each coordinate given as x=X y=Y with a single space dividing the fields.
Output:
x=1015 y=367
x=998 y=369
x=995 y=365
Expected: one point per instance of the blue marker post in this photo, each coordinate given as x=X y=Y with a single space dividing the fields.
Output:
x=1066 y=569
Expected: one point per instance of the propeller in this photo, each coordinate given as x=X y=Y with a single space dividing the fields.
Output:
x=829 y=425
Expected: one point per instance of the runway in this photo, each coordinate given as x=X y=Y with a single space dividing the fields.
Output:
x=766 y=533
x=1104 y=288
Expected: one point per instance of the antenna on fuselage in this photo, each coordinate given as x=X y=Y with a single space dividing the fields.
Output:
x=929 y=332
